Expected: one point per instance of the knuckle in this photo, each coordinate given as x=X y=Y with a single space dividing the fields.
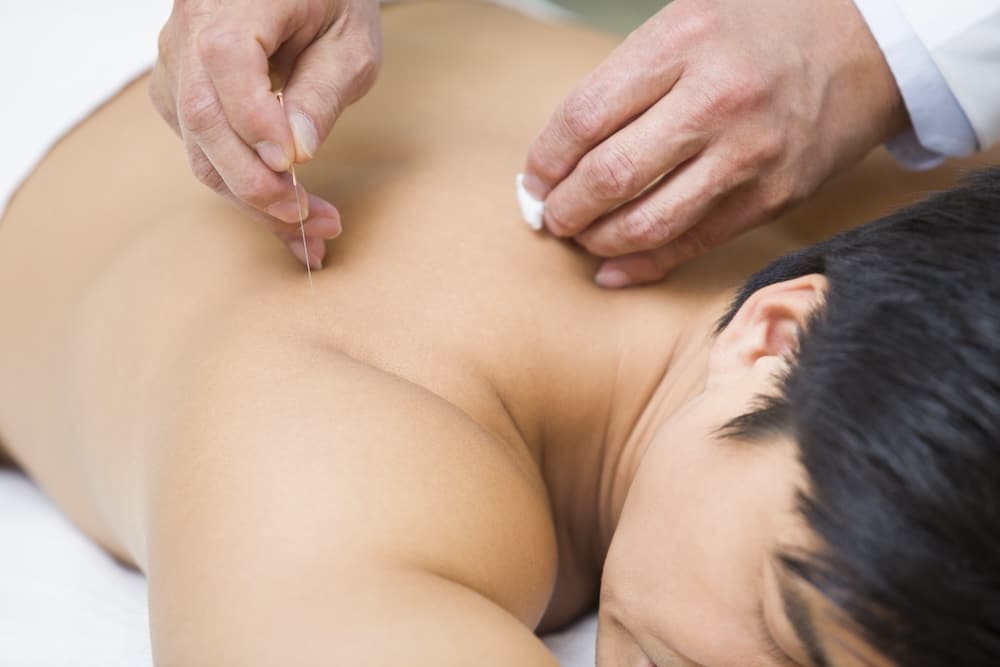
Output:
x=775 y=199
x=198 y=110
x=543 y=163
x=324 y=99
x=742 y=90
x=644 y=227
x=720 y=178
x=695 y=27
x=364 y=69
x=368 y=62
x=583 y=115
x=765 y=150
x=693 y=243
x=720 y=101
x=352 y=79
x=255 y=187
x=742 y=169
x=770 y=147
x=555 y=220
x=704 y=237
x=207 y=175
x=613 y=174
x=368 y=72
x=251 y=117
x=214 y=45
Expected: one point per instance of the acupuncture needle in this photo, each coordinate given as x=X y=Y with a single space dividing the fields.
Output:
x=298 y=206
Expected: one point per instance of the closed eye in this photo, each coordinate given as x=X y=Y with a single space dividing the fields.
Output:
x=770 y=646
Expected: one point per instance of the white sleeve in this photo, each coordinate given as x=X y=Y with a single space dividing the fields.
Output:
x=946 y=62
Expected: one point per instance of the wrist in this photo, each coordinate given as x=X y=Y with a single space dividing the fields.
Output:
x=940 y=126
x=872 y=82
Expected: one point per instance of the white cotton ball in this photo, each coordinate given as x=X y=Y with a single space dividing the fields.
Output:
x=532 y=209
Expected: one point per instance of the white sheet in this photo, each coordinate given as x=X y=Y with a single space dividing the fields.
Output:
x=65 y=603
x=60 y=60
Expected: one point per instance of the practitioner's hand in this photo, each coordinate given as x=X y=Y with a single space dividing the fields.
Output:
x=212 y=85
x=746 y=107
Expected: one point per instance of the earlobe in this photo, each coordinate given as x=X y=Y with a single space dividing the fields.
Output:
x=768 y=324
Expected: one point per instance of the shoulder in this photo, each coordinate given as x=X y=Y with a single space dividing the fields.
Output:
x=407 y=475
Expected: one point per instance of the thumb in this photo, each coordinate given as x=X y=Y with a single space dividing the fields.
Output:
x=636 y=269
x=330 y=74
x=650 y=266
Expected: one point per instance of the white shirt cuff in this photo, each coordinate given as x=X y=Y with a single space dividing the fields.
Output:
x=940 y=128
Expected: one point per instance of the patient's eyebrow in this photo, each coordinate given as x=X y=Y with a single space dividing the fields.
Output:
x=797 y=612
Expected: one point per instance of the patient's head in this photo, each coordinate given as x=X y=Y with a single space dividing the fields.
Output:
x=833 y=496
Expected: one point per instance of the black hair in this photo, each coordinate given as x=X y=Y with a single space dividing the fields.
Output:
x=894 y=403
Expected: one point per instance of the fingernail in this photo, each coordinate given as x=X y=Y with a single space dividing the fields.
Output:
x=535 y=187
x=273 y=156
x=306 y=139
x=612 y=278
x=324 y=228
x=324 y=223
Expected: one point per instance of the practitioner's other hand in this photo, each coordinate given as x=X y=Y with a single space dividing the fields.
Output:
x=714 y=116
x=212 y=83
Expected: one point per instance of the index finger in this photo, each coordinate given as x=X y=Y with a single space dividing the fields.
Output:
x=631 y=80
x=235 y=54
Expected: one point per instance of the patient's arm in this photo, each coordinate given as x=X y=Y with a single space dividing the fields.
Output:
x=316 y=511
x=376 y=617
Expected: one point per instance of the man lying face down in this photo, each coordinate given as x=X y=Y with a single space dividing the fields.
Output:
x=455 y=441
x=880 y=498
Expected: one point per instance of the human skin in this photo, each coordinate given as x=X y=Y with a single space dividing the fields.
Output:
x=709 y=119
x=212 y=84
x=427 y=457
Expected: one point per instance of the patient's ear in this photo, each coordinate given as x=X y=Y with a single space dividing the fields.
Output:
x=767 y=326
